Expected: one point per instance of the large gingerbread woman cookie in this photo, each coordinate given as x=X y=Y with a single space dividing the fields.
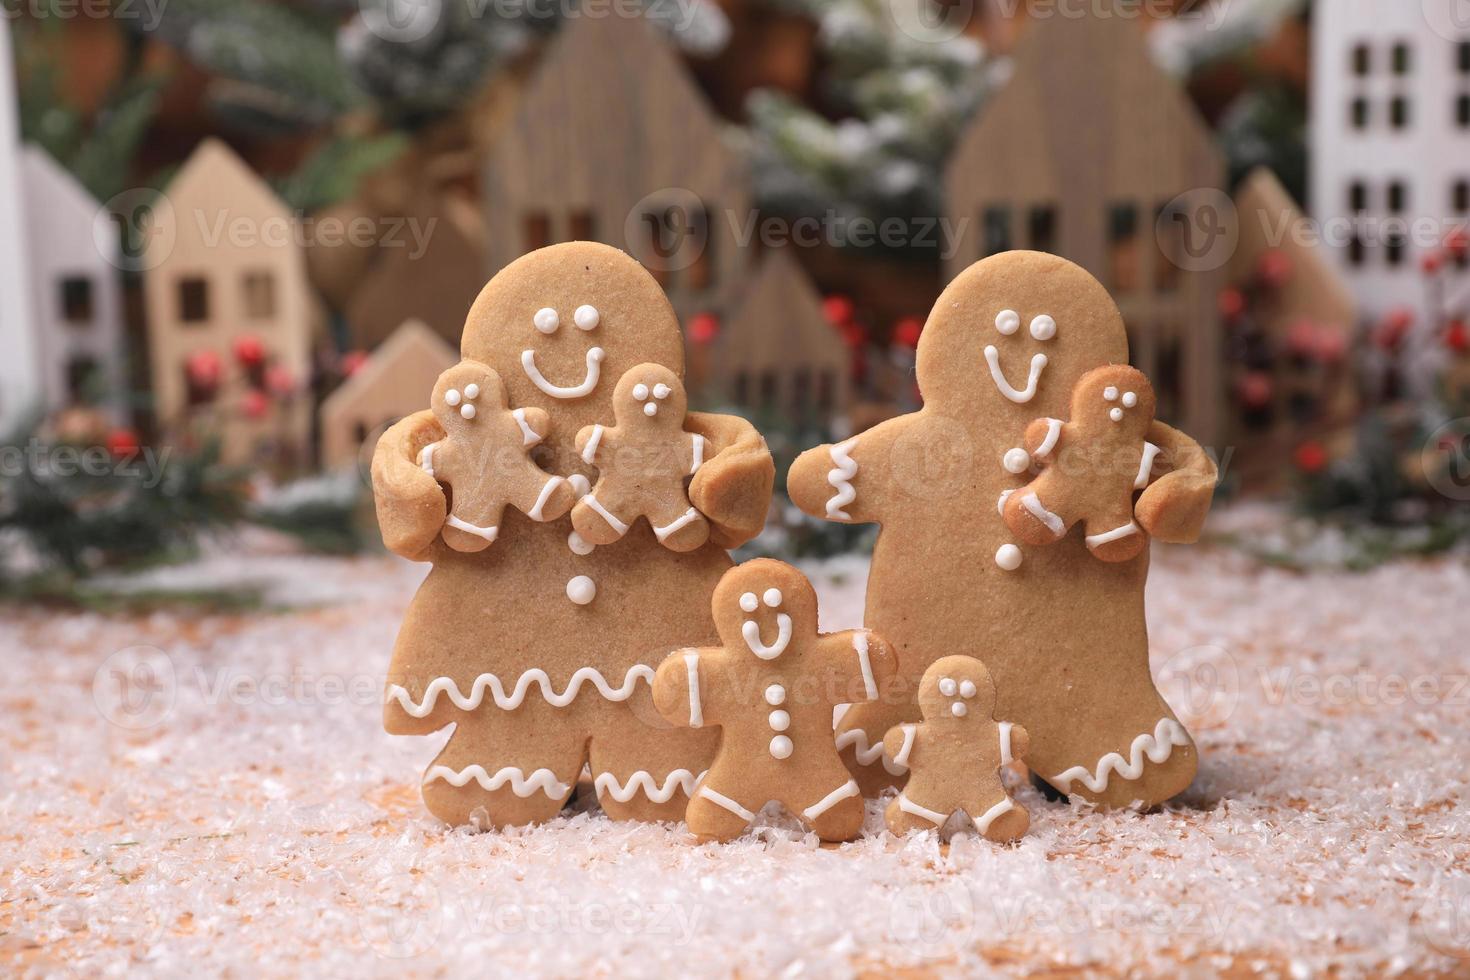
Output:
x=770 y=688
x=541 y=649
x=1062 y=633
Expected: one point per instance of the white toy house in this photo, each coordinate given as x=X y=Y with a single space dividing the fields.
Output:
x=75 y=297
x=20 y=387
x=1390 y=141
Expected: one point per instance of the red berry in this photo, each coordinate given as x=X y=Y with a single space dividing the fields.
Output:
x=1254 y=389
x=1275 y=267
x=1310 y=457
x=838 y=310
x=249 y=351
x=1394 y=327
x=255 y=404
x=1457 y=336
x=1301 y=338
x=1232 y=303
x=1458 y=241
x=1432 y=262
x=122 y=442
x=907 y=331
x=203 y=368
x=704 y=328
x=1331 y=344
x=280 y=381
x=351 y=362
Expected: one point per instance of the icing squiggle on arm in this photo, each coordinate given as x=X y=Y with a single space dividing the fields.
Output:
x=590 y=452
x=1005 y=743
x=529 y=436
x=866 y=754
x=1035 y=508
x=865 y=664
x=844 y=468
x=696 y=707
x=1053 y=433
x=698 y=441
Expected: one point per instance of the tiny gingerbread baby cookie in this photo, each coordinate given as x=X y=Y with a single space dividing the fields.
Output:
x=1091 y=466
x=642 y=462
x=770 y=690
x=485 y=458
x=955 y=754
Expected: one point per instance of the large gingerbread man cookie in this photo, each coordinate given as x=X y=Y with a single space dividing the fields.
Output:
x=1090 y=466
x=484 y=458
x=642 y=461
x=955 y=754
x=1062 y=633
x=540 y=650
x=770 y=688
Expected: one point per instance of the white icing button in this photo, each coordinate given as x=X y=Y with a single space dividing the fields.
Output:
x=1008 y=557
x=546 y=320
x=1016 y=460
x=775 y=694
x=781 y=747
x=1110 y=394
x=651 y=409
x=967 y=689
x=958 y=710
x=581 y=486
x=780 y=721
x=472 y=391
x=1008 y=322
x=451 y=397
x=773 y=597
x=749 y=602
x=1129 y=399
x=1116 y=415
x=640 y=392
x=579 y=544
x=1043 y=327
x=468 y=411
x=661 y=391
x=581 y=590
x=586 y=317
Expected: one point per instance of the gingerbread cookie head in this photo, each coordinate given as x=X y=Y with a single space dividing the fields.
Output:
x=464 y=393
x=561 y=323
x=1010 y=336
x=760 y=605
x=957 y=691
x=1114 y=402
x=650 y=398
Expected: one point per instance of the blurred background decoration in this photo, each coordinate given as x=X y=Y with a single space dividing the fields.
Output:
x=249 y=231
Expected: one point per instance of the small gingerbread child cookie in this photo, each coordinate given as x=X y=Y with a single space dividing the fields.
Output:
x=485 y=460
x=771 y=690
x=954 y=755
x=643 y=461
x=1091 y=466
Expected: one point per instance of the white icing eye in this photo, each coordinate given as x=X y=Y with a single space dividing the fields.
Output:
x=947 y=687
x=967 y=689
x=958 y=710
x=1116 y=415
x=1110 y=394
x=1008 y=322
x=586 y=318
x=472 y=391
x=773 y=597
x=468 y=411
x=651 y=409
x=451 y=397
x=1129 y=399
x=661 y=391
x=546 y=320
x=749 y=602
x=775 y=694
x=640 y=392
x=1043 y=327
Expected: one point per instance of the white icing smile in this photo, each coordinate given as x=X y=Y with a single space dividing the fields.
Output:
x=752 y=632
x=1020 y=396
x=594 y=373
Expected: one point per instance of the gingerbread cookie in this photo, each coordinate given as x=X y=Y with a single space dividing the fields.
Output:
x=642 y=462
x=485 y=458
x=955 y=754
x=1091 y=467
x=540 y=650
x=1063 y=634
x=770 y=688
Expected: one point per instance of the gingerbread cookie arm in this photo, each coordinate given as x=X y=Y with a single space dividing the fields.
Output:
x=410 y=504
x=733 y=476
x=687 y=683
x=902 y=742
x=859 y=662
x=1044 y=437
x=1174 y=505
x=848 y=481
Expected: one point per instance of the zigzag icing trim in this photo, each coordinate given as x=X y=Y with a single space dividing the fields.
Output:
x=1156 y=746
x=844 y=468
x=542 y=780
x=643 y=782
x=867 y=754
x=507 y=702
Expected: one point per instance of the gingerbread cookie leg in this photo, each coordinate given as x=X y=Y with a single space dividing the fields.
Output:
x=713 y=815
x=836 y=815
x=904 y=815
x=679 y=528
x=999 y=818
x=1114 y=535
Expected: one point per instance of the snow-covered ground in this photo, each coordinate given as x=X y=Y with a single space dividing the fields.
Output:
x=238 y=810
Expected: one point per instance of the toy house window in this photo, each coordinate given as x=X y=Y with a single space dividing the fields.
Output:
x=1167 y=367
x=1123 y=252
x=1362 y=60
x=995 y=224
x=770 y=388
x=742 y=388
x=81 y=378
x=1462 y=59
x=826 y=390
x=1169 y=223
x=1394 y=237
x=702 y=270
x=1357 y=253
x=76 y=300
x=536 y=230
x=1462 y=111
x=259 y=289
x=1398 y=112
x=1398 y=196
x=1041 y=226
x=582 y=224
x=1360 y=113
x=193 y=300
x=801 y=392
x=1402 y=58
x=1357 y=197
x=1460 y=197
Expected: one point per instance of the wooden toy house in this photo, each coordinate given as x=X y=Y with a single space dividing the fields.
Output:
x=229 y=312
x=1085 y=153
x=75 y=294
x=611 y=141
x=20 y=388
x=395 y=380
